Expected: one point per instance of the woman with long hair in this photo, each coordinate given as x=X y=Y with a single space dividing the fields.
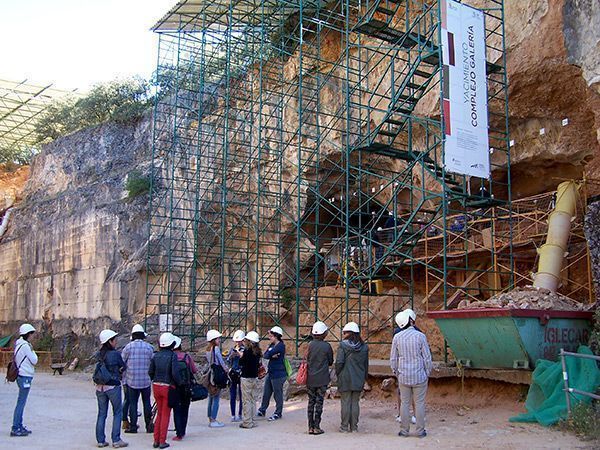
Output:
x=165 y=376
x=276 y=375
x=215 y=357
x=107 y=376
x=235 y=388
x=351 y=367
x=249 y=365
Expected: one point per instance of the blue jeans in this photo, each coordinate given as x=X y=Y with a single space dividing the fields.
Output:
x=114 y=397
x=133 y=396
x=24 y=384
x=235 y=394
x=213 y=406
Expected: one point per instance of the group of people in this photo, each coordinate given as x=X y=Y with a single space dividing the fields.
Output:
x=168 y=372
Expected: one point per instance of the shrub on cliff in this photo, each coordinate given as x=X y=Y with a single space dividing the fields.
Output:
x=12 y=156
x=137 y=184
x=121 y=101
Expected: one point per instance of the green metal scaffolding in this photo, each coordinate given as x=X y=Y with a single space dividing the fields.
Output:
x=296 y=170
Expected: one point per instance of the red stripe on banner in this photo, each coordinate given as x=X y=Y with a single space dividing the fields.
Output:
x=451 y=59
x=444 y=13
x=447 y=128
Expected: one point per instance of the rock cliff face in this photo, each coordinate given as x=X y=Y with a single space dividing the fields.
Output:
x=72 y=255
x=73 y=258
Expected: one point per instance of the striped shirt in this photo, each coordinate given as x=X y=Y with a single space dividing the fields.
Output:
x=137 y=355
x=410 y=357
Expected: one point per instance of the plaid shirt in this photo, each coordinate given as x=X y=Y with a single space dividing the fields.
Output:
x=410 y=357
x=137 y=355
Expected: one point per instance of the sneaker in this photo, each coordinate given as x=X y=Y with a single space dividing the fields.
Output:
x=236 y=418
x=344 y=430
x=178 y=438
x=260 y=414
x=131 y=430
x=274 y=417
x=120 y=444
x=248 y=427
x=25 y=430
x=18 y=433
x=317 y=431
x=216 y=424
x=102 y=444
x=155 y=445
x=403 y=434
x=164 y=445
x=422 y=435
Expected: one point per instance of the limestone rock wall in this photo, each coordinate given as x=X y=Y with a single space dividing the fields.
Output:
x=64 y=255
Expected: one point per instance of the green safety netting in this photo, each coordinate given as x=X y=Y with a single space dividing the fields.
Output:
x=546 y=402
x=5 y=341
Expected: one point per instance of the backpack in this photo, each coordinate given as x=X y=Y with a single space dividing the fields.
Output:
x=12 y=369
x=218 y=376
x=102 y=375
x=185 y=374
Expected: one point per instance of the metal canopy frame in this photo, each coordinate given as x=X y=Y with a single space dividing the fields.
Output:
x=291 y=182
x=21 y=105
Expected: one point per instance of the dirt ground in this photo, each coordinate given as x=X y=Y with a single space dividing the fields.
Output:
x=61 y=412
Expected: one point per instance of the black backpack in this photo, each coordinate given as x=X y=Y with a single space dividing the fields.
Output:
x=101 y=373
x=185 y=374
x=218 y=376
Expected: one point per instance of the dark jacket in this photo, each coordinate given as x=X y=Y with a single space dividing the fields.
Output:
x=352 y=366
x=319 y=358
x=249 y=363
x=114 y=364
x=276 y=356
x=163 y=368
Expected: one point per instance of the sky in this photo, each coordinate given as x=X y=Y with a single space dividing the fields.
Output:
x=77 y=43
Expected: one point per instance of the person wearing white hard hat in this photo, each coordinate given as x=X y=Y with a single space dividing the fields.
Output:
x=165 y=376
x=411 y=362
x=107 y=377
x=215 y=359
x=276 y=376
x=137 y=355
x=413 y=419
x=319 y=358
x=352 y=368
x=235 y=388
x=182 y=400
x=250 y=362
x=25 y=359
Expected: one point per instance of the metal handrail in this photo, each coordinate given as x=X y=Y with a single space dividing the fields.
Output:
x=569 y=390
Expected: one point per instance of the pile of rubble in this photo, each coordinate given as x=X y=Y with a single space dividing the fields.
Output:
x=529 y=297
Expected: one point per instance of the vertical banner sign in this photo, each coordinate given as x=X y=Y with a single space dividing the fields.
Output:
x=466 y=149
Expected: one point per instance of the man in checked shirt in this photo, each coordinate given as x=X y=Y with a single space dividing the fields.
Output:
x=137 y=355
x=411 y=362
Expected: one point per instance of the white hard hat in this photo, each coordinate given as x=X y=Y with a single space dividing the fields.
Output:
x=402 y=318
x=166 y=339
x=239 y=336
x=351 y=326
x=25 y=328
x=212 y=335
x=137 y=328
x=177 y=341
x=319 y=328
x=253 y=336
x=276 y=330
x=107 y=335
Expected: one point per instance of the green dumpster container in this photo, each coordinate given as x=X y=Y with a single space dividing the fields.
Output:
x=511 y=338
